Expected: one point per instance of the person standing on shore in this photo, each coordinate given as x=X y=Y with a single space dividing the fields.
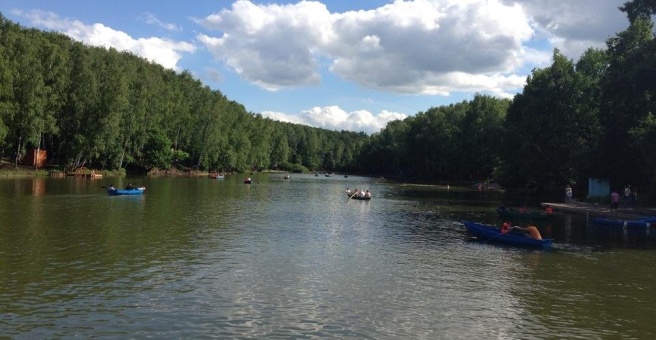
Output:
x=614 y=201
x=568 y=194
x=627 y=196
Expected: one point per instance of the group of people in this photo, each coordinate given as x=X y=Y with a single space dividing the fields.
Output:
x=630 y=198
x=127 y=187
x=358 y=193
x=528 y=229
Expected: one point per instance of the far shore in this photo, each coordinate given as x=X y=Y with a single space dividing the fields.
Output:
x=8 y=169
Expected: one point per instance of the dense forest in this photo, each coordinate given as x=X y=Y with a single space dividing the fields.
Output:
x=106 y=109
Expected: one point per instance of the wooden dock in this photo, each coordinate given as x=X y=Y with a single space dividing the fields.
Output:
x=602 y=210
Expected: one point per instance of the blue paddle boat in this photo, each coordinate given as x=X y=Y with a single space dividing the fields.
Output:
x=642 y=227
x=121 y=192
x=490 y=233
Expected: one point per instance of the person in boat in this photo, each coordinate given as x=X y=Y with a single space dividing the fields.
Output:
x=367 y=194
x=129 y=187
x=505 y=227
x=348 y=191
x=548 y=210
x=530 y=230
x=361 y=194
x=111 y=187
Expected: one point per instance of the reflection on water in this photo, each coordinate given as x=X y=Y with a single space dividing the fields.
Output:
x=295 y=258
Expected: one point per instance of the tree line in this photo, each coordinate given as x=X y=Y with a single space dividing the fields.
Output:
x=572 y=121
x=105 y=109
x=109 y=109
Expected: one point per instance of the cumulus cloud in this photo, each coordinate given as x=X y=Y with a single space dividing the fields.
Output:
x=429 y=47
x=334 y=118
x=414 y=47
x=162 y=51
x=269 y=45
x=575 y=26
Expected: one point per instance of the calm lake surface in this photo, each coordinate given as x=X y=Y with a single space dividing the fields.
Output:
x=204 y=258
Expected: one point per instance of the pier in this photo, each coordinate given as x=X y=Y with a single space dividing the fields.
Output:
x=593 y=210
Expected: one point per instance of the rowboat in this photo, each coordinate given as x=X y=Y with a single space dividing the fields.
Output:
x=120 y=192
x=645 y=222
x=490 y=233
x=642 y=227
x=217 y=176
x=356 y=197
x=530 y=215
x=248 y=181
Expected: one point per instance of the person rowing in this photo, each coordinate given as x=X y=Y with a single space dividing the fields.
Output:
x=531 y=230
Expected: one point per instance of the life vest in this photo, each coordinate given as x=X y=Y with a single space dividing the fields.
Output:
x=505 y=227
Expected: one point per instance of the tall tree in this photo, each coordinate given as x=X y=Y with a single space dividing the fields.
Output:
x=639 y=9
x=543 y=141
x=481 y=136
x=627 y=103
x=26 y=121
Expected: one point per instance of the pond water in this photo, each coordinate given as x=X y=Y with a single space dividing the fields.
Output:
x=199 y=257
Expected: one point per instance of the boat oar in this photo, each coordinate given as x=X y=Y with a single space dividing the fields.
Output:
x=352 y=195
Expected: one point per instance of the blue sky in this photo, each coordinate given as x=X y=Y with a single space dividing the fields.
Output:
x=338 y=64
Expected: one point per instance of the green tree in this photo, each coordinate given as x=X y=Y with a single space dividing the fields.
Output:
x=77 y=127
x=481 y=136
x=543 y=144
x=26 y=118
x=627 y=104
x=639 y=9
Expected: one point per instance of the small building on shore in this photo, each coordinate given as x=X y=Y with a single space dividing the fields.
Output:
x=598 y=188
x=35 y=158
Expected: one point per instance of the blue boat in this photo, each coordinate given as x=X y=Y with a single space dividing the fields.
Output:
x=490 y=233
x=642 y=227
x=644 y=223
x=121 y=192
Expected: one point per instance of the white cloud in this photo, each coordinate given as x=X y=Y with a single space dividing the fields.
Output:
x=152 y=19
x=415 y=47
x=431 y=47
x=334 y=118
x=575 y=26
x=162 y=51
x=270 y=45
